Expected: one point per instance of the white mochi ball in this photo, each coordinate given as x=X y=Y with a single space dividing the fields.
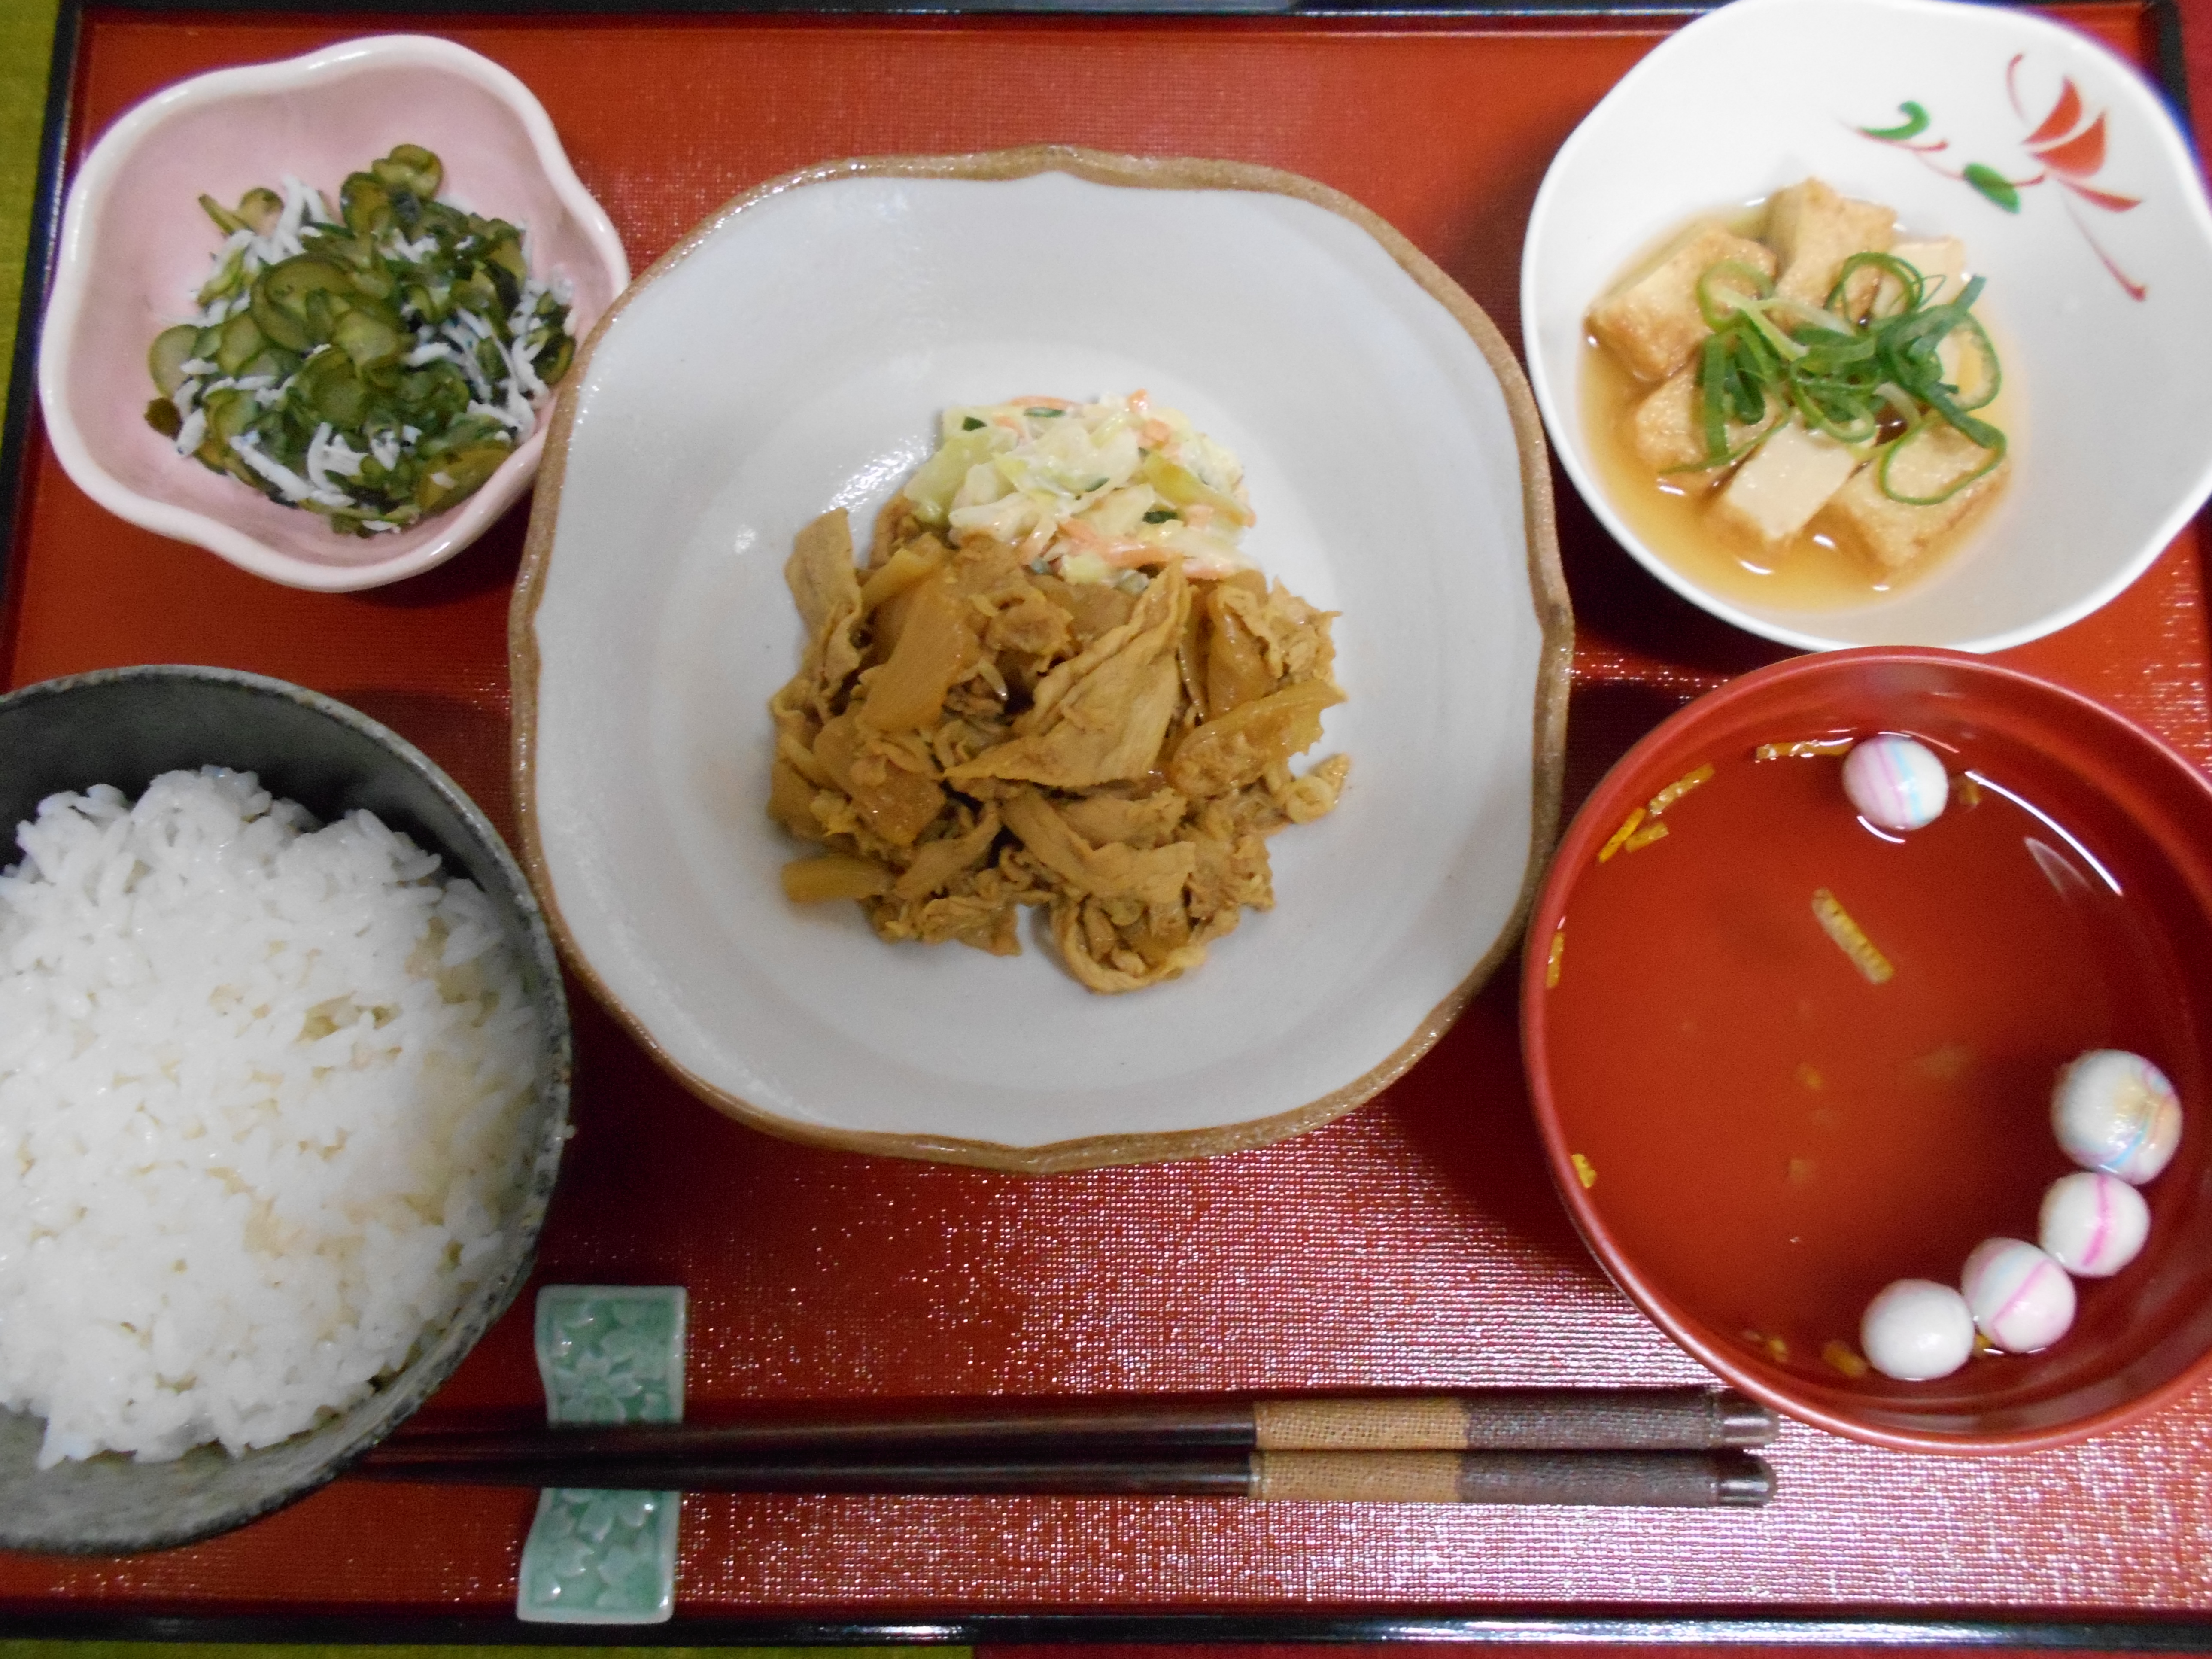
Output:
x=1915 y=1330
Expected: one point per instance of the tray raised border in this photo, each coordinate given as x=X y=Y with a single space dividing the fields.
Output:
x=1626 y=1627
x=2169 y=71
x=1622 y=1626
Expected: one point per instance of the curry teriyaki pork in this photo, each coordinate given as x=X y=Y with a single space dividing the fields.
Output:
x=1050 y=715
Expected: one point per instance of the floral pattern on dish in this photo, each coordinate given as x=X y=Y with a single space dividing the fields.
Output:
x=2068 y=150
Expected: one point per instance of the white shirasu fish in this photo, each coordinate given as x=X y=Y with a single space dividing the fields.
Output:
x=328 y=452
x=288 y=483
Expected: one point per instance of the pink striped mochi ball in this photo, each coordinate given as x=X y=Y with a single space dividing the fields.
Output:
x=2093 y=1224
x=2115 y=1111
x=1896 y=783
x=2021 y=1300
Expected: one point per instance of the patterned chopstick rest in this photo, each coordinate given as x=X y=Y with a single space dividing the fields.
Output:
x=606 y=1354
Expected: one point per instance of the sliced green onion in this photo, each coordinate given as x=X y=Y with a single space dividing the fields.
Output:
x=1754 y=313
x=1971 y=330
x=1712 y=369
x=1899 y=402
x=1717 y=310
x=1846 y=419
x=1848 y=380
x=1797 y=315
x=1996 y=452
x=1913 y=285
x=1980 y=431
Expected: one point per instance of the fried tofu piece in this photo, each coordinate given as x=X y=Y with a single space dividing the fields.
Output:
x=1897 y=532
x=1813 y=231
x=1789 y=478
x=1653 y=324
x=1667 y=430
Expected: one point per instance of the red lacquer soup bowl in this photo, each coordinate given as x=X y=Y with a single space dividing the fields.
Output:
x=1781 y=1057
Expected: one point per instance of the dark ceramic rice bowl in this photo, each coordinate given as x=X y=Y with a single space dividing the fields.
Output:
x=125 y=726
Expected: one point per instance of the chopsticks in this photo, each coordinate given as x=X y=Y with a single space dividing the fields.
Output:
x=1665 y=1447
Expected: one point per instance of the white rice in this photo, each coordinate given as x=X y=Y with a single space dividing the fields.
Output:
x=259 y=1092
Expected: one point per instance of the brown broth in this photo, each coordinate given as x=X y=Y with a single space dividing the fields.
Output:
x=1821 y=569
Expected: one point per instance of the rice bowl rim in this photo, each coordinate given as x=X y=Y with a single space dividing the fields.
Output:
x=355 y=1431
x=1547 y=592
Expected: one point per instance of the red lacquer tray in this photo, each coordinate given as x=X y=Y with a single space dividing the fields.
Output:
x=1416 y=1242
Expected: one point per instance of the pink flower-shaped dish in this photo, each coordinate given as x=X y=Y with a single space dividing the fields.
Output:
x=136 y=245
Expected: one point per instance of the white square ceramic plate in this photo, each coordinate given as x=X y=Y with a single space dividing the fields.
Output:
x=792 y=354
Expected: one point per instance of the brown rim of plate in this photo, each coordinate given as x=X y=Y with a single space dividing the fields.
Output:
x=1547 y=585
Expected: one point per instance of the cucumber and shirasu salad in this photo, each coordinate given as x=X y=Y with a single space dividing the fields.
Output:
x=373 y=365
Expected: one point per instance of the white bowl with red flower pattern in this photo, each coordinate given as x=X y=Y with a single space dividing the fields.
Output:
x=2077 y=196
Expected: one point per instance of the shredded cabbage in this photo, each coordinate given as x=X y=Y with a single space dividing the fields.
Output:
x=1090 y=492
